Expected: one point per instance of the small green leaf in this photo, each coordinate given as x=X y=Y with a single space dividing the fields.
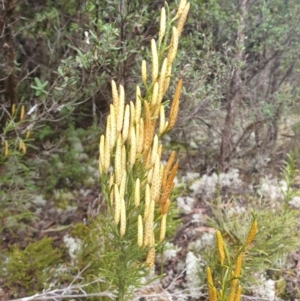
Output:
x=60 y=71
x=37 y=81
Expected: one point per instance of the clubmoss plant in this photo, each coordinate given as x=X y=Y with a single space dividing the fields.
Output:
x=136 y=186
x=278 y=235
x=288 y=174
x=229 y=287
x=14 y=190
x=14 y=124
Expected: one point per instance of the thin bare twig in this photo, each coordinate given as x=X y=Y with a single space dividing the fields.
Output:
x=71 y=291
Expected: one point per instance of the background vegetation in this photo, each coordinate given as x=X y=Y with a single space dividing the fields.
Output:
x=239 y=60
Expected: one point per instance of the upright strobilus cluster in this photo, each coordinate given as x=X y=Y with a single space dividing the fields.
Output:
x=136 y=183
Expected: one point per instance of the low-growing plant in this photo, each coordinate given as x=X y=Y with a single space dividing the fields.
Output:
x=14 y=189
x=66 y=159
x=276 y=239
x=30 y=269
x=16 y=192
x=278 y=230
x=225 y=286
x=288 y=173
x=14 y=133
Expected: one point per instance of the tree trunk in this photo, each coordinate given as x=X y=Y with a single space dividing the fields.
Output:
x=234 y=94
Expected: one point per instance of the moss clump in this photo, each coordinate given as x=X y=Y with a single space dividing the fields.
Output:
x=29 y=271
x=80 y=230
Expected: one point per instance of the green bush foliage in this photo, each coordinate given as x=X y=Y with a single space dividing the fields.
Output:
x=241 y=63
